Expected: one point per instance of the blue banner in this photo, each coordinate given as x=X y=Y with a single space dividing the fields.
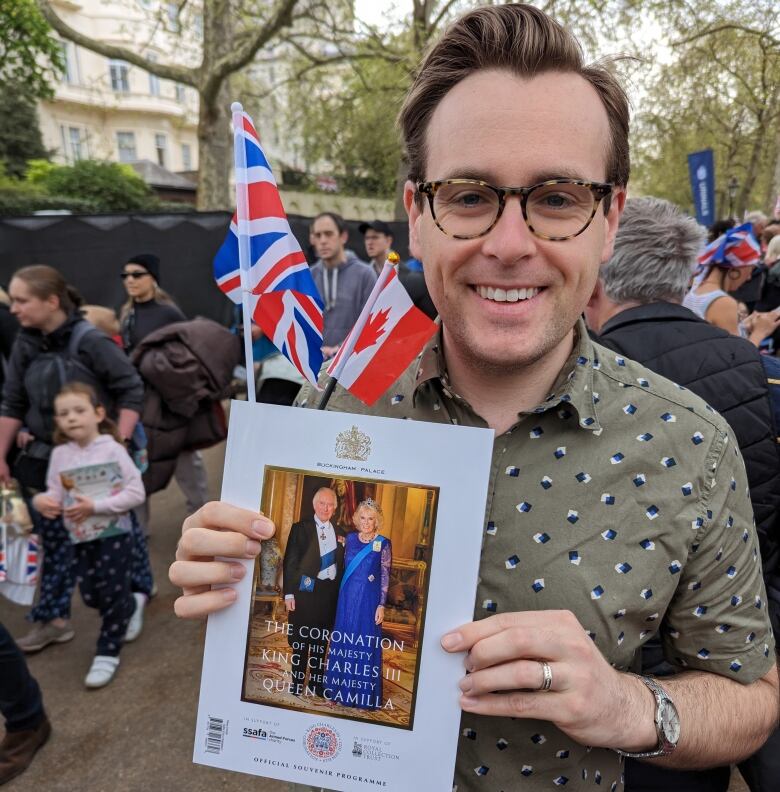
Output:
x=701 y=169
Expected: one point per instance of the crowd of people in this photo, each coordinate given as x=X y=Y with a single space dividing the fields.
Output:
x=566 y=310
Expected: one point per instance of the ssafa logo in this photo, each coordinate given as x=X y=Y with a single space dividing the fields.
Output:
x=322 y=742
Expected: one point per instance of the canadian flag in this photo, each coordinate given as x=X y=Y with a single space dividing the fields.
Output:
x=387 y=336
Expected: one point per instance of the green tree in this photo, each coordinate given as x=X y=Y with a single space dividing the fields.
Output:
x=347 y=118
x=233 y=31
x=720 y=90
x=345 y=105
x=20 y=134
x=30 y=55
x=111 y=187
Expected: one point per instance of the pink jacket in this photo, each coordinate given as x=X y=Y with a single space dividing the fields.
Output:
x=100 y=451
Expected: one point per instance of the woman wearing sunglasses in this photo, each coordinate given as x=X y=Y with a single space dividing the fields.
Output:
x=148 y=307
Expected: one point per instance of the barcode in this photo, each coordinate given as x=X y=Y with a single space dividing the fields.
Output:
x=216 y=735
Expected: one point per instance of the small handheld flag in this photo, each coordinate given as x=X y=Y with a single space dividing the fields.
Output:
x=388 y=334
x=261 y=265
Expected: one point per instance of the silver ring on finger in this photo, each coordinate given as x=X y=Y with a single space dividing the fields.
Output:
x=547 y=677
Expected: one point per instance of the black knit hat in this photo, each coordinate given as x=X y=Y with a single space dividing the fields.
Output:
x=149 y=262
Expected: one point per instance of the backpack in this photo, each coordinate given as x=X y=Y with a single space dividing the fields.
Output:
x=48 y=372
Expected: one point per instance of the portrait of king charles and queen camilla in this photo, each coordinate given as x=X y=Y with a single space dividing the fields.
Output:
x=339 y=596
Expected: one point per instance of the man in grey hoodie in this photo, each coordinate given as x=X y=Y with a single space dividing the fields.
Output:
x=343 y=280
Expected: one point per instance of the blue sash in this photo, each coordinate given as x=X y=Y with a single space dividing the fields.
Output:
x=307 y=583
x=358 y=559
x=327 y=560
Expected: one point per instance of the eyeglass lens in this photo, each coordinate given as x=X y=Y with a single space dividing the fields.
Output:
x=555 y=210
x=135 y=275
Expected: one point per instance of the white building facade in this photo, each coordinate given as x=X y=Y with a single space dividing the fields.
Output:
x=110 y=110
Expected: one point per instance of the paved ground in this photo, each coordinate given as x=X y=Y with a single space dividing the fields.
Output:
x=135 y=735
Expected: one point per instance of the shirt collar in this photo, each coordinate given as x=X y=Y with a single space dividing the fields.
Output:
x=573 y=387
x=320 y=524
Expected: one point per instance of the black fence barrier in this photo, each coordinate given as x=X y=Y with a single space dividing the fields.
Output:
x=89 y=250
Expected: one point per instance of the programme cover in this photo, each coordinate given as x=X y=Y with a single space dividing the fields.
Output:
x=96 y=482
x=328 y=669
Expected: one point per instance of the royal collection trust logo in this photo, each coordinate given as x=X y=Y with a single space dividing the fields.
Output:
x=322 y=742
x=353 y=444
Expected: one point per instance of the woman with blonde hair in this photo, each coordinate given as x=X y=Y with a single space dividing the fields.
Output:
x=148 y=307
x=359 y=613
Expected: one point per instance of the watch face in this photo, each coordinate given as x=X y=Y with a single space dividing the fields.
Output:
x=670 y=722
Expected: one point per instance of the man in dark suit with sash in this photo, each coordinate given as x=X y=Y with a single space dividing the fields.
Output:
x=313 y=565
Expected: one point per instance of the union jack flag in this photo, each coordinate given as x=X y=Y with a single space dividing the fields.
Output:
x=284 y=300
x=736 y=248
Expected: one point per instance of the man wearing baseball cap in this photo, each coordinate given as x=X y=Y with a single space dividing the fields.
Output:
x=378 y=239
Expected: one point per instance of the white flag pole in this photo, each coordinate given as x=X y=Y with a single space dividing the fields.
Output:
x=244 y=250
x=348 y=346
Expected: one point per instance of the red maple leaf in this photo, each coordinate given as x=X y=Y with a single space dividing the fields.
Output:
x=372 y=331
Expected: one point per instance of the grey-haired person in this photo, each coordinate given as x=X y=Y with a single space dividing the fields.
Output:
x=637 y=311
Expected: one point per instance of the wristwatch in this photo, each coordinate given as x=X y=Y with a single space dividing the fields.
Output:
x=667 y=723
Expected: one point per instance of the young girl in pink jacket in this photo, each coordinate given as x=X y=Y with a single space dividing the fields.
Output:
x=89 y=456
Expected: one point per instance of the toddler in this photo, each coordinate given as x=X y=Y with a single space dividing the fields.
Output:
x=88 y=456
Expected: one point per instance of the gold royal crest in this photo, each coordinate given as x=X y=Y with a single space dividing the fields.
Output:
x=353 y=444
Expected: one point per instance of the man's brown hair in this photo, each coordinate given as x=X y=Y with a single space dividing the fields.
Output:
x=520 y=39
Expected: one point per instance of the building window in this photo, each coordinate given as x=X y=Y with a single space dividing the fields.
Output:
x=74 y=143
x=125 y=143
x=186 y=157
x=160 y=144
x=70 y=75
x=75 y=139
x=154 y=80
x=181 y=93
x=197 y=22
x=120 y=76
x=173 y=17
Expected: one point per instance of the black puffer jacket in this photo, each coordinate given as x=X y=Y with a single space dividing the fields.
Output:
x=30 y=387
x=726 y=372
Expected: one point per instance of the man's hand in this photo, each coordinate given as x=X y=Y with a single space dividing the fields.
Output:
x=216 y=529
x=47 y=506
x=79 y=511
x=379 y=616
x=589 y=700
x=289 y=603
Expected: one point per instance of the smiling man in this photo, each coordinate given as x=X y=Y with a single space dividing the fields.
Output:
x=617 y=505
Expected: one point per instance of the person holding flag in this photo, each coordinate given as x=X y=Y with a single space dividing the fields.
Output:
x=617 y=504
x=724 y=265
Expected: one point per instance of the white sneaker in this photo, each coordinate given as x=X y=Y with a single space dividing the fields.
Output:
x=136 y=623
x=102 y=671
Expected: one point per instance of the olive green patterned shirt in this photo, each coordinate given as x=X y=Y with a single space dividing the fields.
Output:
x=622 y=498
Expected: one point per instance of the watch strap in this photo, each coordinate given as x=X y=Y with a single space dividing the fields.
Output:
x=664 y=747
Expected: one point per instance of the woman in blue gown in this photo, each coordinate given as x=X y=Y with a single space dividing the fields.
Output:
x=354 y=665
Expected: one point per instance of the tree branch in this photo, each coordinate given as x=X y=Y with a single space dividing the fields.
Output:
x=763 y=34
x=440 y=16
x=243 y=55
x=180 y=74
